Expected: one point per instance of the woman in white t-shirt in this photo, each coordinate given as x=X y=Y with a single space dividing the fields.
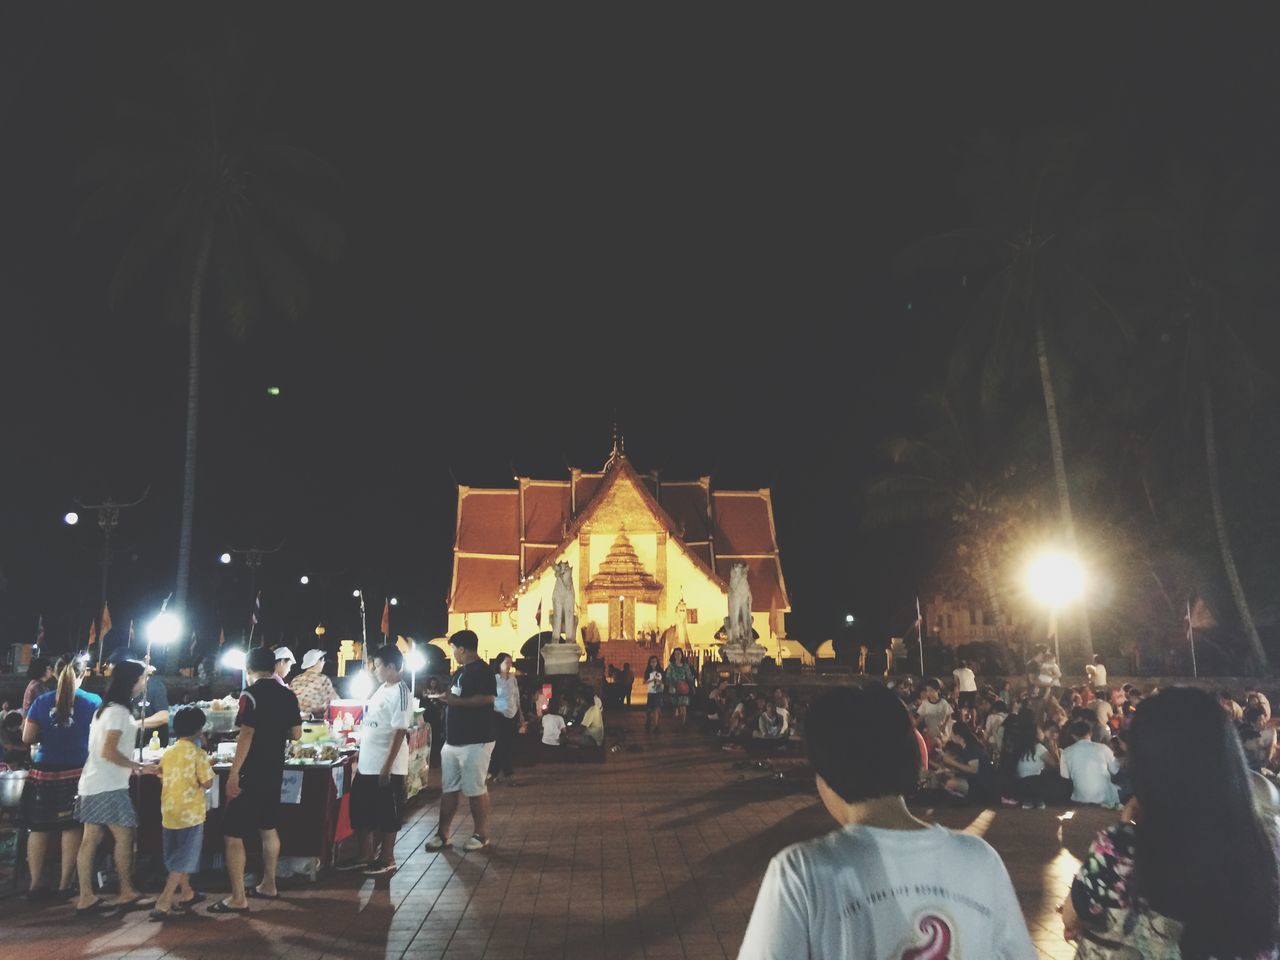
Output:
x=654 y=684
x=885 y=883
x=1096 y=673
x=104 y=804
x=1028 y=765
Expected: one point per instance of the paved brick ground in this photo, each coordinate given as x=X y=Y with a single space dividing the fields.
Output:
x=655 y=854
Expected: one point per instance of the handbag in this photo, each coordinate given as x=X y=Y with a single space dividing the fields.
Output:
x=682 y=688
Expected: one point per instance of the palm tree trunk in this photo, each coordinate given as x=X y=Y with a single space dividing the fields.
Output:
x=1220 y=524
x=1060 y=473
x=193 y=412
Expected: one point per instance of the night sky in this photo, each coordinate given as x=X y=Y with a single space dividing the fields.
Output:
x=691 y=224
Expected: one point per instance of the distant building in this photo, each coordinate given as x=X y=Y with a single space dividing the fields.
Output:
x=958 y=620
x=650 y=558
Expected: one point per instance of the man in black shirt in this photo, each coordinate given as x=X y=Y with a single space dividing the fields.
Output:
x=268 y=720
x=468 y=742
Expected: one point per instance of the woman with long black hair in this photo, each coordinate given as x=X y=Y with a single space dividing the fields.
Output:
x=510 y=718
x=1193 y=871
x=104 y=805
x=57 y=727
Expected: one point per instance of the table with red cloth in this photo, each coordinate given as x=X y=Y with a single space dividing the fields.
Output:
x=312 y=827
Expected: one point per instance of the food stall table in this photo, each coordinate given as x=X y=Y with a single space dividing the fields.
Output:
x=313 y=815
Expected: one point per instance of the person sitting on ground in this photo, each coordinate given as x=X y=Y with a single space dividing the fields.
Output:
x=1028 y=762
x=1192 y=871
x=885 y=877
x=1258 y=739
x=1255 y=698
x=972 y=774
x=993 y=729
x=933 y=715
x=589 y=731
x=553 y=725
x=774 y=723
x=1089 y=766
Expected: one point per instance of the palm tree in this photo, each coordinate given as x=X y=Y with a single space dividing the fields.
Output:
x=1214 y=284
x=1032 y=253
x=216 y=201
x=973 y=471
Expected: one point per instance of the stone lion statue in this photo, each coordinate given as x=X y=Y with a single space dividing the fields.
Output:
x=739 y=623
x=564 y=619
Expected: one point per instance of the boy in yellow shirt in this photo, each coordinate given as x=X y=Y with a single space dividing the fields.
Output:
x=186 y=774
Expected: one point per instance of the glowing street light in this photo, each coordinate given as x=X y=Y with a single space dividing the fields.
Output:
x=234 y=659
x=356 y=594
x=304 y=579
x=224 y=559
x=394 y=601
x=360 y=686
x=1055 y=579
x=163 y=629
x=71 y=518
x=849 y=619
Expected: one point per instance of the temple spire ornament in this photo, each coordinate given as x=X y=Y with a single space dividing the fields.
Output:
x=619 y=451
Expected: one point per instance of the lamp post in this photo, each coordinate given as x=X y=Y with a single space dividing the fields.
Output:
x=108 y=520
x=1055 y=579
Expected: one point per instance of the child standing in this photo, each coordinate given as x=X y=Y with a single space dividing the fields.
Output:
x=186 y=774
x=654 y=685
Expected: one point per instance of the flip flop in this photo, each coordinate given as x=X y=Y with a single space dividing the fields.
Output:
x=253 y=893
x=197 y=898
x=380 y=870
x=353 y=866
x=92 y=909
x=221 y=907
x=137 y=903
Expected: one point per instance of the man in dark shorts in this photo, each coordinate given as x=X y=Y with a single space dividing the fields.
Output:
x=268 y=720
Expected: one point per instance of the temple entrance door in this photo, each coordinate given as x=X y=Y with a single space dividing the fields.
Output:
x=622 y=619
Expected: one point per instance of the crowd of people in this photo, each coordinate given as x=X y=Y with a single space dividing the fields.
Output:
x=1188 y=870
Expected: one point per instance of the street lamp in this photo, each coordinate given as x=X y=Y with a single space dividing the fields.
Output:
x=1055 y=579
x=163 y=629
x=356 y=594
x=849 y=619
x=394 y=601
x=71 y=518
x=225 y=559
x=304 y=579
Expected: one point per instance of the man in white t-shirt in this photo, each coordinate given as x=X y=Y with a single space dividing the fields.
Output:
x=1096 y=673
x=885 y=884
x=1089 y=767
x=966 y=690
x=934 y=714
x=377 y=793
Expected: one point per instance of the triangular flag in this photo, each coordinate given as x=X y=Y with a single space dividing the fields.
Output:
x=386 y=617
x=257 y=608
x=537 y=617
x=40 y=633
x=130 y=644
x=1201 y=618
x=222 y=638
x=93 y=632
x=106 y=619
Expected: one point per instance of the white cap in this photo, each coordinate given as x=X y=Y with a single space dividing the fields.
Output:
x=311 y=658
x=283 y=653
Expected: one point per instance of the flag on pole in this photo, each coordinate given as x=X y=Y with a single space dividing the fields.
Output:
x=222 y=637
x=130 y=635
x=386 y=618
x=920 y=633
x=537 y=617
x=193 y=643
x=106 y=620
x=257 y=608
x=1199 y=616
x=40 y=633
x=93 y=632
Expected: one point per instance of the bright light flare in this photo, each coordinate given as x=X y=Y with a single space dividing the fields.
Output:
x=225 y=558
x=360 y=686
x=304 y=579
x=394 y=601
x=1055 y=578
x=355 y=593
x=415 y=661
x=848 y=618
x=164 y=629
x=71 y=518
x=233 y=659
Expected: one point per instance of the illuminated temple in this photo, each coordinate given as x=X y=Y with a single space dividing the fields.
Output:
x=650 y=559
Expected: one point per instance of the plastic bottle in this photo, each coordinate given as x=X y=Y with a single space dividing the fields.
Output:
x=154 y=744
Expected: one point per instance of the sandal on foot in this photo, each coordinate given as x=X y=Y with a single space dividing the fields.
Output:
x=223 y=907
x=197 y=897
x=436 y=843
x=159 y=916
x=92 y=909
x=137 y=903
x=353 y=866
x=255 y=894
x=380 y=870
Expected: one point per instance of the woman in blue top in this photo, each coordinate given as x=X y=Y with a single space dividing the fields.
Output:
x=58 y=725
x=679 y=684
